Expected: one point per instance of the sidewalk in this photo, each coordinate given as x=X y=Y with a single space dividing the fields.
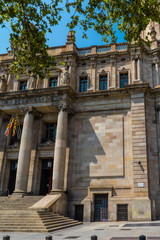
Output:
x=104 y=231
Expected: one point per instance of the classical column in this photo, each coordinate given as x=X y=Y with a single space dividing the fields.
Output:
x=60 y=147
x=25 y=151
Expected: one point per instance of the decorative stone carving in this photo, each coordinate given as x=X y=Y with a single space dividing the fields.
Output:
x=32 y=81
x=103 y=72
x=65 y=107
x=66 y=78
x=153 y=34
x=71 y=37
x=3 y=80
x=31 y=110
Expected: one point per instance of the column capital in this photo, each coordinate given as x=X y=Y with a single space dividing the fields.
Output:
x=31 y=110
x=64 y=107
x=4 y=115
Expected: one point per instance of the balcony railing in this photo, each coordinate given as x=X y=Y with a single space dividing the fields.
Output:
x=121 y=46
x=104 y=49
x=84 y=52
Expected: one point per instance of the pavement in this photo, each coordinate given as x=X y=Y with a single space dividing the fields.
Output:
x=104 y=231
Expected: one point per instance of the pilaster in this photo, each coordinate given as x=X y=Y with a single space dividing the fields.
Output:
x=141 y=206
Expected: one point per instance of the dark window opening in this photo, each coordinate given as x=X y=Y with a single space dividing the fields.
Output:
x=103 y=82
x=53 y=82
x=122 y=212
x=79 y=212
x=46 y=176
x=123 y=80
x=12 y=176
x=136 y=67
x=83 y=84
x=23 y=85
x=50 y=132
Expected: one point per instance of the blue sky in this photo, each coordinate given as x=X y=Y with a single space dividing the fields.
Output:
x=59 y=35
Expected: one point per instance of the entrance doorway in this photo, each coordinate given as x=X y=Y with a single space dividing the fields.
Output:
x=79 y=212
x=46 y=176
x=12 y=176
x=101 y=208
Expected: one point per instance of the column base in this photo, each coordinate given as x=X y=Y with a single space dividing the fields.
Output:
x=56 y=191
x=19 y=193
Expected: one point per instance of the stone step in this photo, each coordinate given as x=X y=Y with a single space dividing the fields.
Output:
x=55 y=221
x=59 y=223
x=29 y=229
x=64 y=226
x=26 y=224
x=53 y=217
x=16 y=216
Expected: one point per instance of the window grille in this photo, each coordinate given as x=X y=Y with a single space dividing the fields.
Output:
x=122 y=212
x=83 y=84
x=103 y=82
x=50 y=133
x=23 y=85
x=53 y=82
x=123 y=80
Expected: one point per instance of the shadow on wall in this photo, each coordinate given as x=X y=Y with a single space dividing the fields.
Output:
x=96 y=151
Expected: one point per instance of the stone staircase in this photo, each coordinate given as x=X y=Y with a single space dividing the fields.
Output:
x=21 y=203
x=15 y=216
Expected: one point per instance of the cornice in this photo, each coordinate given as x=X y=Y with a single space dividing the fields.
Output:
x=40 y=92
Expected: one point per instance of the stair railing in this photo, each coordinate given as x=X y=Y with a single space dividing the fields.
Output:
x=3 y=192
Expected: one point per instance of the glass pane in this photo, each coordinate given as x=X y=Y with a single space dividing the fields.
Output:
x=123 y=80
x=103 y=82
x=83 y=84
x=23 y=85
x=53 y=82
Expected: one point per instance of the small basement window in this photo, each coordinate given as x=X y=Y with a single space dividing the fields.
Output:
x=122 y=212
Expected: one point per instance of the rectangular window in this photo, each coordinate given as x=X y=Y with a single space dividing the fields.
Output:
x=23 y=85
x=50 y=133
x=122 y=212
x=53 y=82
x=123 y=80
x=83 y=84
x=103 y=82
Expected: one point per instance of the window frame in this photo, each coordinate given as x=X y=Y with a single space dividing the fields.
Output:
x=81 y=78
x=102 y=75
x=53 y=78
x=49 y=129
x=23 y=81
x=126 y=72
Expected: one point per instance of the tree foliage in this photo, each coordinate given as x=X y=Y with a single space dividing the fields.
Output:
x=30 y=20
x=130 y=16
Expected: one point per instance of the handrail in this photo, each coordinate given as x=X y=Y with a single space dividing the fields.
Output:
x=7 y=191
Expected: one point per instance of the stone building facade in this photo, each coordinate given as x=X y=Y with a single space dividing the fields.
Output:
x=93 y=125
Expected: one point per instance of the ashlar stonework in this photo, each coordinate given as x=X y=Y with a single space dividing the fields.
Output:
x=89 y=134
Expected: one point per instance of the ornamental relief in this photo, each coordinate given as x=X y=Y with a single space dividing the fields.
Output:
x=14 y=101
